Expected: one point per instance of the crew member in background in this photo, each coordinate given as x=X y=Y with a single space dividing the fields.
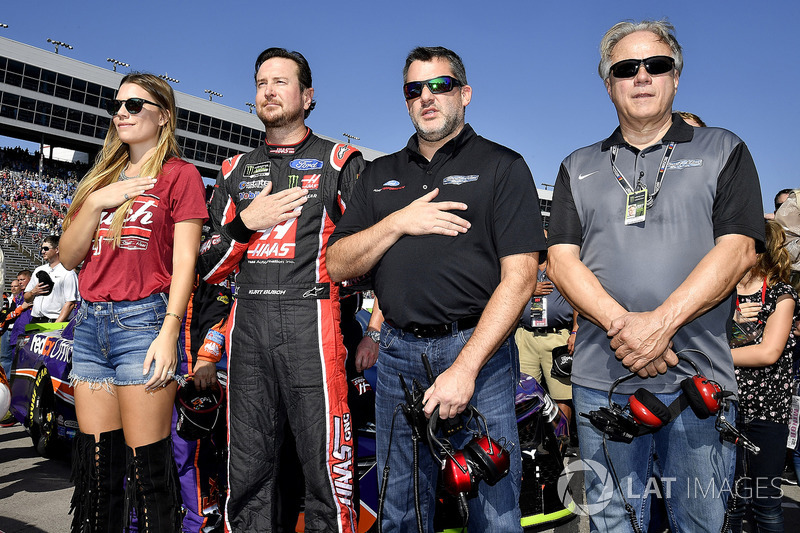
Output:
x=548 y=323
x=202 y=477
x=52 y=302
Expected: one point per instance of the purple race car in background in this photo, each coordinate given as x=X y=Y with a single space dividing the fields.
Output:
x=43 y=402
x=42 y=399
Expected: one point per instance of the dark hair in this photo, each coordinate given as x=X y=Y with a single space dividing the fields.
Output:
x=781 y=193
x=53 y=240
x=429 y=53
x=303 y=69
x=25 y=272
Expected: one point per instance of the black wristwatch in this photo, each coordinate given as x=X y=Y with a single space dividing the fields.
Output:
x=374 y=335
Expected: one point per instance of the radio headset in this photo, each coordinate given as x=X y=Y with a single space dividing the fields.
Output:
x=482 y=459
x=645 y=414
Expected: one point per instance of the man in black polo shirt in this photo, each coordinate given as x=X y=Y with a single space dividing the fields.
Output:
x=450 y=227
x=650 y=231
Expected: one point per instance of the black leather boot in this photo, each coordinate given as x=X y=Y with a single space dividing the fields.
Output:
x=98 y=470
x=153 y=485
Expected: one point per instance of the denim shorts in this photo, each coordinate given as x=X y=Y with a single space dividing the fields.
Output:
x=112 y=338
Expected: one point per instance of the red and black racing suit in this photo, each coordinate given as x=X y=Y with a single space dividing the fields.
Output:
x=286 y=358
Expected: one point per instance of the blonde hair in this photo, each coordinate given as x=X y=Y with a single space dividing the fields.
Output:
x=774 y=264
x=114 y=155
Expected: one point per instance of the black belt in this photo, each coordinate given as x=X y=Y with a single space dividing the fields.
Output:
x=544 y=331
x=41 y=320
x=439 y=330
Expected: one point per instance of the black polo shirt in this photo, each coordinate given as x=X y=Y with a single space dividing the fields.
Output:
x=436 y=279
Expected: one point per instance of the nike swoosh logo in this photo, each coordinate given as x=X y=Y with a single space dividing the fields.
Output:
x=582 y=176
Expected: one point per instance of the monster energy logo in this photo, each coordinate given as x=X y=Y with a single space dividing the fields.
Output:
x=294 y=180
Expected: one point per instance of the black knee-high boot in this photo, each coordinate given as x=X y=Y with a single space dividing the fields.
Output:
x=152 y=483
x=98 y=470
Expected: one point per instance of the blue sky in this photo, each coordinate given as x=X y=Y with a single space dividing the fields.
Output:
x=532 y=64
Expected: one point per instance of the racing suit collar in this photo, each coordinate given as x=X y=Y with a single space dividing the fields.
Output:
x=288 y=149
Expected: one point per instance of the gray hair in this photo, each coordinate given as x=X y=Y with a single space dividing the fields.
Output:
x=663 y=30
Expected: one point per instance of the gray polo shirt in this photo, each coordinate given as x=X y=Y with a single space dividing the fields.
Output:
x=710 y=189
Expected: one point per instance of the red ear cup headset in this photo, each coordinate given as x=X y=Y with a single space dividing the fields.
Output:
x=483 y=458
x=644 y=413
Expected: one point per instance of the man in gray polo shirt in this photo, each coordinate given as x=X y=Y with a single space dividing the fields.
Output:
x=651 y=274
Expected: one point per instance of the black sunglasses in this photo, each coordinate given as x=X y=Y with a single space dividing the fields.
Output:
x=628 y=68
x=46 y=248
x=438 y=85
x=133 y=105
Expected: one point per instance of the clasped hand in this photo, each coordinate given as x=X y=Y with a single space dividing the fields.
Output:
x=642 y=343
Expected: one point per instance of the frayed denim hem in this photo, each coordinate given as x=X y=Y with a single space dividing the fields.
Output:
x=94 y=384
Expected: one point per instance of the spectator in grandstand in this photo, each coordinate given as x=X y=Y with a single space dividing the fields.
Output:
x=53 y=290
x=656 y=286
x=135 y=221
x=762 y=354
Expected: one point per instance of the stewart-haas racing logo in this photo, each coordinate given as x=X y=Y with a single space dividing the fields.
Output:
x=277 y=242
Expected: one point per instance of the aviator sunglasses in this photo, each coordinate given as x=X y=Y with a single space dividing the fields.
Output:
x=133 y=105
x=438 y=85
x=628 y=68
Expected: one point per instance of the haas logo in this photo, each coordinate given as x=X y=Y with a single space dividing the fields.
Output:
x=277 y=242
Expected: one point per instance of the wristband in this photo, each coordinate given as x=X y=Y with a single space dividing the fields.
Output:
x=573 y=332
x=175 y=315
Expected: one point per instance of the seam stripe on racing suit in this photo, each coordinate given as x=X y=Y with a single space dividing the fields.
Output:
x=286 y=354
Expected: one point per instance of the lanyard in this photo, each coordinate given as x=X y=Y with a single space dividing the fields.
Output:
x=662 y=169
x=763 y=295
